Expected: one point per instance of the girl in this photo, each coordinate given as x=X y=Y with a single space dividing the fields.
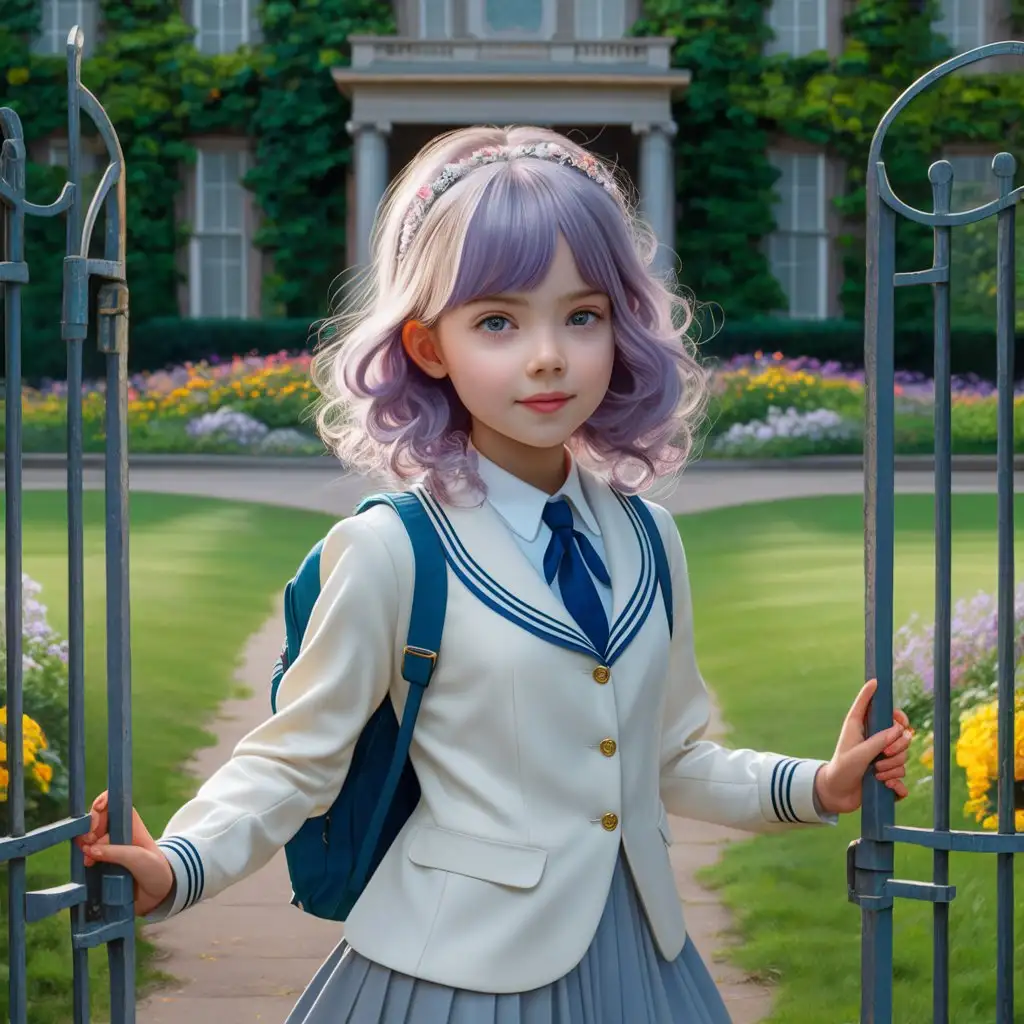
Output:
x=514 y=352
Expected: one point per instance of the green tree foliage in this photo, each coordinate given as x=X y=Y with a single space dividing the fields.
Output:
x=723 y=177
x=302 y=146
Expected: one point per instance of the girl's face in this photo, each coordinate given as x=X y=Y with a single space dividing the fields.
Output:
x=530 y=368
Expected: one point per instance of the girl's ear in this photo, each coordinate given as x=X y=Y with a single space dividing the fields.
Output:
x=420 y=344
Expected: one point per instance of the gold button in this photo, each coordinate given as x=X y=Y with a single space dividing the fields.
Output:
x=609 y=822
x=601 y=674
x=608 y=747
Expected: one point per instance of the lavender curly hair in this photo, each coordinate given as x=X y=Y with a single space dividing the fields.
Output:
x=381 y=414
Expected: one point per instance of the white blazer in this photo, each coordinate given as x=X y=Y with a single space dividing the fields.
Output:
x=536 y=756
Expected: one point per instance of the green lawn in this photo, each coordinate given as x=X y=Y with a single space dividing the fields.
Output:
x=204 y=575
x=778 y=599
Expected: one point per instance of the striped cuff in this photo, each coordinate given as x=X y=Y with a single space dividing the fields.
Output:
x=790 y=796
x=189 y=875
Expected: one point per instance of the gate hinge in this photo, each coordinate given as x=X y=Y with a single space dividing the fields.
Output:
x=888 y=889
x=75 y=309
x=112 y=332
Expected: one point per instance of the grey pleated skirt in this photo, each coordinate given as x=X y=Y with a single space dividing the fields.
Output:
x=622 y=979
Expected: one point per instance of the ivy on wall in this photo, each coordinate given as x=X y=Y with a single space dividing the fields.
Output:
x=723 y=177
x=1016 y=17
x=887 y=45
x=740 y=98
x=302 y=146
x=162 y=94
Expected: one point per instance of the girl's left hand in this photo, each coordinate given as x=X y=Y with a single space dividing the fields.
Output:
x=838 y=783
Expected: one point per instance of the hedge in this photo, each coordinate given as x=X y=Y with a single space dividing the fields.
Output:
x=164 y=342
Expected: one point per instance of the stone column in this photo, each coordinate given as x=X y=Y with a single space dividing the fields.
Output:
x=370 y=166
x=657 y=179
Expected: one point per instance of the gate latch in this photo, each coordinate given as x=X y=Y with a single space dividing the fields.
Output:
x=890 y=888
x=109 y=909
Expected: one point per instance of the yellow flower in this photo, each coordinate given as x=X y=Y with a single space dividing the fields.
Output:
x=43 y=774
x=33 y=740
x=928 y=754
x=977 y=752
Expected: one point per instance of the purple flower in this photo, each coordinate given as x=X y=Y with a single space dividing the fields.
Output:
x=973 y=651
x=58 y=650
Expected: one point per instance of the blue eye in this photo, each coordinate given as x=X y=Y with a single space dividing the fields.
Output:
x=574 y=319
x=493 y=324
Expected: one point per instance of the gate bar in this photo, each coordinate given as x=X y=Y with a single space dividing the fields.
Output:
x=112 y=336
x=74 y=326
x=1004 y=166
x=874 y=852
x=941 y=176
x=12 y=166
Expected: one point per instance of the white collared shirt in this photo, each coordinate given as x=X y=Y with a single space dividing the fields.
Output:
x=521 y=506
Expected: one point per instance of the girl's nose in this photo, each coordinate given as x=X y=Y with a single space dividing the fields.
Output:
x=546 y=352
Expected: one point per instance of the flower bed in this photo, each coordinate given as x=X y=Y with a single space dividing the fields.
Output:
x=769 y=406
x=252 y=405
x=44 y=718
x=762 y=406
x=973 y=692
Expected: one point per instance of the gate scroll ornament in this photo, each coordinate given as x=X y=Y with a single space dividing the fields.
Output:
x=100 y=900
x=870 y=859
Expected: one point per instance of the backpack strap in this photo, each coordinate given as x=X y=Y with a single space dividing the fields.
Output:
x=660 y=558
x=299 y=597
x=426 y=623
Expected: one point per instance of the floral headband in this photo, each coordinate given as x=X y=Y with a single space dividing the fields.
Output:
x=427 y=195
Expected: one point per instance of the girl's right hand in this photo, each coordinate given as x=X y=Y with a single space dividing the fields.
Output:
x=149 y=866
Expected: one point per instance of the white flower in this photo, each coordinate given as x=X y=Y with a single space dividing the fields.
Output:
x=228 y=424
x=288 y=440
x=817 y=425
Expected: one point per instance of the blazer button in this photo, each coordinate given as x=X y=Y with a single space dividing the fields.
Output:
x=608 y=747
x=601 y=674
x=609 y=822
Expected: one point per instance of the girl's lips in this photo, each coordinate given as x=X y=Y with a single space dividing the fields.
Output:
x=546 y=404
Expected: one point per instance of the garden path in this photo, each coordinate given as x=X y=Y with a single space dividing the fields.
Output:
x=245 y=955
x=321 y=488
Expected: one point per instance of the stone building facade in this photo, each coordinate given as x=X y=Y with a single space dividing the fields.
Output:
x=568 y=64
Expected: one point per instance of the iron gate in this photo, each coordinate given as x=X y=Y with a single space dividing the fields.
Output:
x=100 y=901
x=871 y=858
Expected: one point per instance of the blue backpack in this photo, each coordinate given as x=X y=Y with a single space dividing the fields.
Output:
x=333 y=856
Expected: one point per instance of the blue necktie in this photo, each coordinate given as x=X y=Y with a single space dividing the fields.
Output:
x=570 y=554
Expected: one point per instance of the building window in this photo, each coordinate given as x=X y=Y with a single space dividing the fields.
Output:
x=59 y=18
x=219 y=247
x=799 y=25
x=497 y=18
x=222 y=26
x=57 y=156
x=435 y=19
x=963 y=23
x=973 y=180
x=600 y=19
x=798 y=250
